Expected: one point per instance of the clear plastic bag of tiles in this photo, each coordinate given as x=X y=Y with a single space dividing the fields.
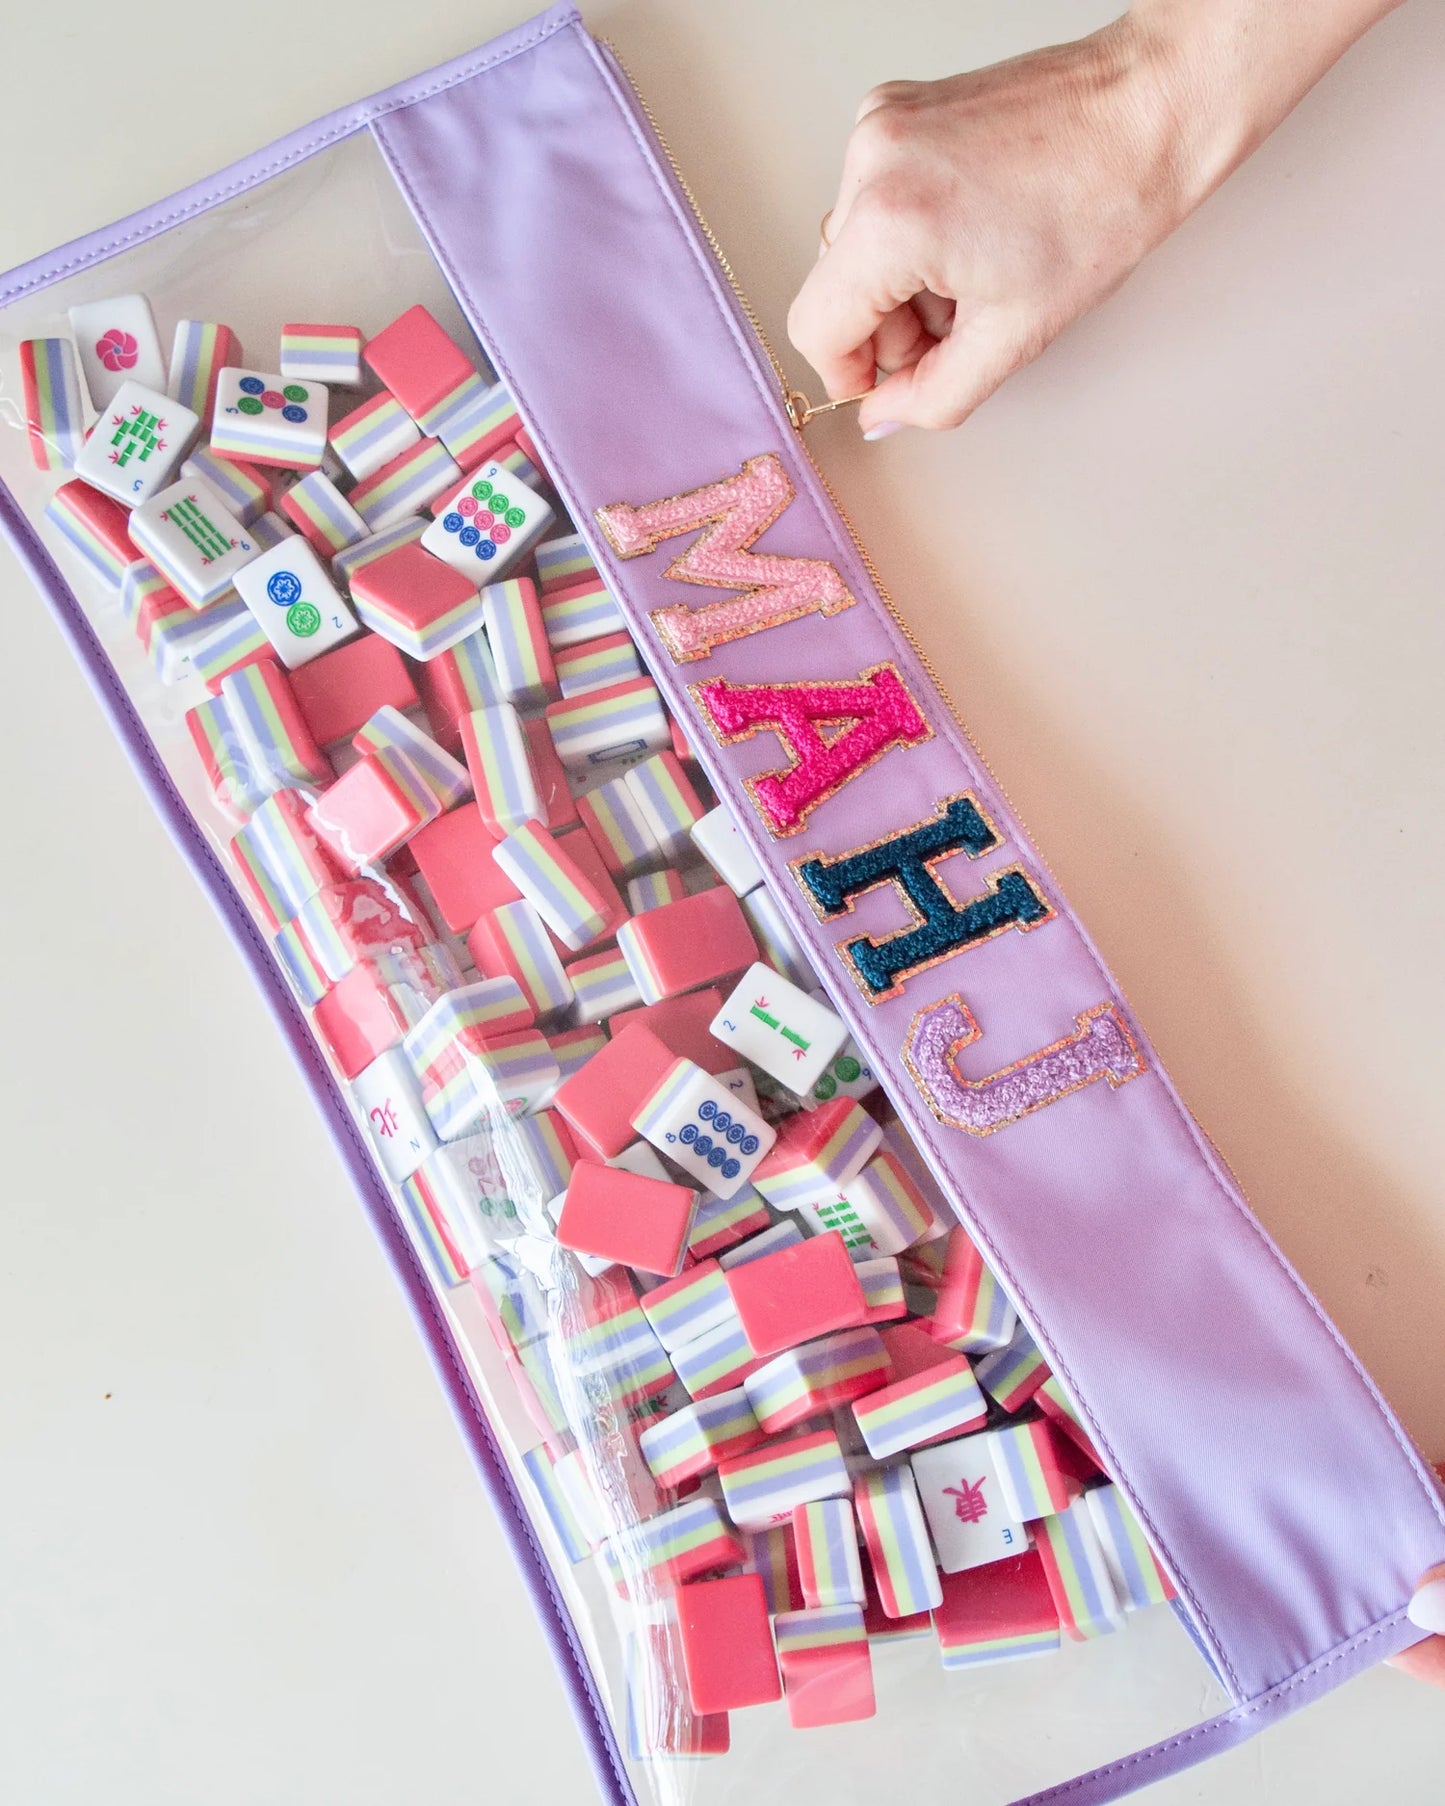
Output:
x=809 y=1491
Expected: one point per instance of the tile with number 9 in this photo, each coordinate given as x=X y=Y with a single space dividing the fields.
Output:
x=490 y=523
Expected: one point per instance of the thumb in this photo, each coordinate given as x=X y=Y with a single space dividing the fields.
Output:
x=1426 y=1661
x=948 y=382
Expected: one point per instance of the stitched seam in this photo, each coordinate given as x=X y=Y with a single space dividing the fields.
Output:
x=155 y=224
x=1265 y=1703
x=505 y=1495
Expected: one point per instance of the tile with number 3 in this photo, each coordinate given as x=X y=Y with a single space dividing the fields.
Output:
x=963 y=1501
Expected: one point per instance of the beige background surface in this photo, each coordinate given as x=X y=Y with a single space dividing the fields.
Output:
x=1183 y=579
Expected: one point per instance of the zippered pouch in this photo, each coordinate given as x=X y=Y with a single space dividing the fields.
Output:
x=875 y=1370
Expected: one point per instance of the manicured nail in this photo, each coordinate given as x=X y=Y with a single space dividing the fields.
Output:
x=1427 y=1608
x=883 y=429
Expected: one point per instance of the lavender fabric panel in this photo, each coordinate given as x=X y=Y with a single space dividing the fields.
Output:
x=1284 y=1496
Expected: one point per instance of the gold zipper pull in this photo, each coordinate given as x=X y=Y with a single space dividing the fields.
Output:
x=801 y=410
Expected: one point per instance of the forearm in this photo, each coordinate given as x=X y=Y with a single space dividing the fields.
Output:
x=1226 y=72
x=978 y=215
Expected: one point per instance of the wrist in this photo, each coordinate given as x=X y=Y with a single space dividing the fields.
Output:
x=1220 y=75
x=1137 y=87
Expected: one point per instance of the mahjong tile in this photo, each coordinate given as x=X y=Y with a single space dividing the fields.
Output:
x=488 y=524
x=269 y=419
x=963 y=1501
x=299 y=608
x=193 y=539
x=117 y=342
x=136 y=444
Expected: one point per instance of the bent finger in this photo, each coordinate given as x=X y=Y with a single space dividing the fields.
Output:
x=947 y=383
x=844 y=301
x=900 y=340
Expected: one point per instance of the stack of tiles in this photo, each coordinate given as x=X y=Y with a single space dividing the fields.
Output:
x=775 y=1391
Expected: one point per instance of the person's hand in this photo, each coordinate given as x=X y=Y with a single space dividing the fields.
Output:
x=977 y=216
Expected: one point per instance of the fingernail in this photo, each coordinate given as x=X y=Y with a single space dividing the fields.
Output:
x=1427 y=1608
x=883 y=429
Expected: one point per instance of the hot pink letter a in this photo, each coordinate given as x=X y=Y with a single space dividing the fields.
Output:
x=869 y=713
x=733 y=515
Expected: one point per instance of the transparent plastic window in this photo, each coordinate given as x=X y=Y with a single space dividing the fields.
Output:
x=806 y=1486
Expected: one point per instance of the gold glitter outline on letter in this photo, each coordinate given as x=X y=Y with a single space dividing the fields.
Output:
x=992 y=881
x=761 y=727
x=1082 y=1020
x=709 y=525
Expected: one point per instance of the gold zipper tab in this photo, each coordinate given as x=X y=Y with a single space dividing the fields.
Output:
x=801 y=410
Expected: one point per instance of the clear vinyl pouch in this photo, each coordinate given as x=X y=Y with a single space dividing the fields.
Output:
x=757 y=1582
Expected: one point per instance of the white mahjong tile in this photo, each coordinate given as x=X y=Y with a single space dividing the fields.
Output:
x=739 y=1080
x=717 y=838
x=639 y=1158
x=193 y=539
x=835 y=1212
x=778 y=1027
x=706 y=1130
x=117 y=342
x=387 y=1096
x=299 y=608
x=488 y=524
x=270 y=419
x=963 y=1502
x=135 y=446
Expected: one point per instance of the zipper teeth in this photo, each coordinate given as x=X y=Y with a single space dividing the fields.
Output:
x=865 y=557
